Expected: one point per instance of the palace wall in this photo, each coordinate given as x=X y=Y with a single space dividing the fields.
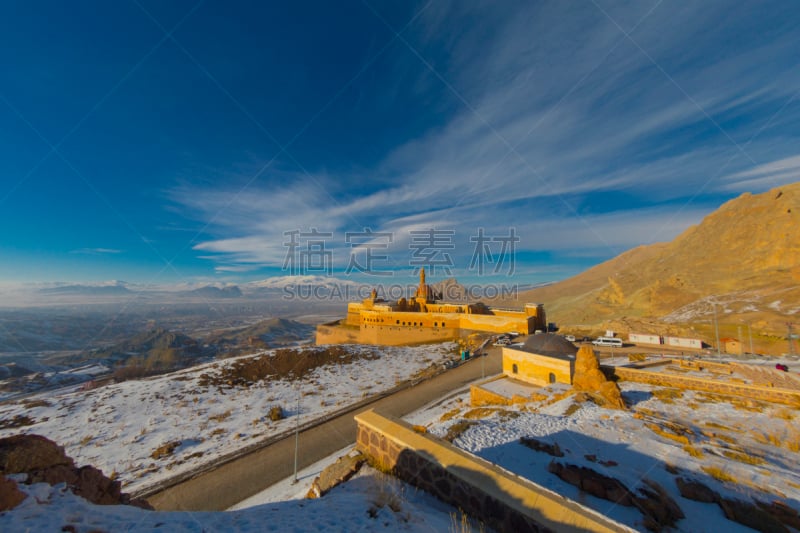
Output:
x=498 y=323
x=338 y=334
x=399 y=335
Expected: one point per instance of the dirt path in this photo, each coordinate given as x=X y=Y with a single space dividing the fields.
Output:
x=241 y=478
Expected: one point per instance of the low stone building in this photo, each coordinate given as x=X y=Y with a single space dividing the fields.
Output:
x=544 y=358
x=732 y=346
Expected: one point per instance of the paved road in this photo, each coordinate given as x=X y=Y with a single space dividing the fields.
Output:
x=241 y=478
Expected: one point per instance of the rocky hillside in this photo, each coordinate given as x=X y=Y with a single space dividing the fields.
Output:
x=156 y=349
x=745 y=257
x=267 y=333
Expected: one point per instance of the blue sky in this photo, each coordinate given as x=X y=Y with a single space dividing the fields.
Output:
x=162 y=142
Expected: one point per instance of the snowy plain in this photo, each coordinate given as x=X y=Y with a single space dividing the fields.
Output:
x=724 y=437
x=754 y=444
x=371 y=501
x=118 y=427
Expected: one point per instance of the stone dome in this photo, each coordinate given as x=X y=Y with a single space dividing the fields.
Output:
x=550 y=344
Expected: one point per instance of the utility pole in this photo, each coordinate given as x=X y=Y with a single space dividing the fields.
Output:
x=750 y=334
x=739 y=338
x=296 y=435
x=790 y=336
x=716 y=326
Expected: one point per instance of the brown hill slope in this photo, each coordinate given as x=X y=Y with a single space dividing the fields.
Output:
x=745 y=257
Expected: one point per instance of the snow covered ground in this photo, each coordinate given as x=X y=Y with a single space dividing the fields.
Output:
x=191 y=421
x=370 y=501
x=50 y=380
x=742 y=449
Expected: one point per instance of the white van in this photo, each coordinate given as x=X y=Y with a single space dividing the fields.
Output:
x=607 y=341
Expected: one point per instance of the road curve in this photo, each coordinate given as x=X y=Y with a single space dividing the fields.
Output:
x=234 y=481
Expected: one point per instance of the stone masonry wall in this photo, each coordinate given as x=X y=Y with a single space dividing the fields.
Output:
x=479 y=396
x=755 y=392
x=499 y=499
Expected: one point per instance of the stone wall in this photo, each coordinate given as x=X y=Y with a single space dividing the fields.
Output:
x=337 y=334
x=479 y=396
x=384 y=335
x=394 y=328
x=400 y=335
x=499 y=322
x=535 y=368
x=484 y=491
x=755 y=392
x=700 y=364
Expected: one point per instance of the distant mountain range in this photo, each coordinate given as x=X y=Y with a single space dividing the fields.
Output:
x=279 y=282
x=108 y=290
x=743 y=259
x=101 y=289
x=231 y=291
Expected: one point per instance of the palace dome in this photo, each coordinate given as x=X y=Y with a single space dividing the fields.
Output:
x=550 y=344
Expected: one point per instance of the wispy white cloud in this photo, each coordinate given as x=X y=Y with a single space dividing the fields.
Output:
x=566 y=129
x=766 y=176
x=96 y=251
x=234 y=268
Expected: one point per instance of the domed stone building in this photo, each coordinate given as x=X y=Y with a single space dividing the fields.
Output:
x=544 y=358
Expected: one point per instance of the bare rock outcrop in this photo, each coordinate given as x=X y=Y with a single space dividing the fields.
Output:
x=773 y=517
x=751 y=515
x=781 y=511
x=10 y=495
x=658 y=509
x=45 y=461
x=594 y=483
x=694 y=490
x=590 y=379
x=28 y=453
x=540 y=446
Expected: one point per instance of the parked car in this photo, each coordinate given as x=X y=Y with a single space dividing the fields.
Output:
x=779 y=366
x=607 y=341
x=570 y=338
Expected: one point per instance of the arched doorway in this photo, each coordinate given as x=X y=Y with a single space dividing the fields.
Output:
x=514 y=368
x=552 y=378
